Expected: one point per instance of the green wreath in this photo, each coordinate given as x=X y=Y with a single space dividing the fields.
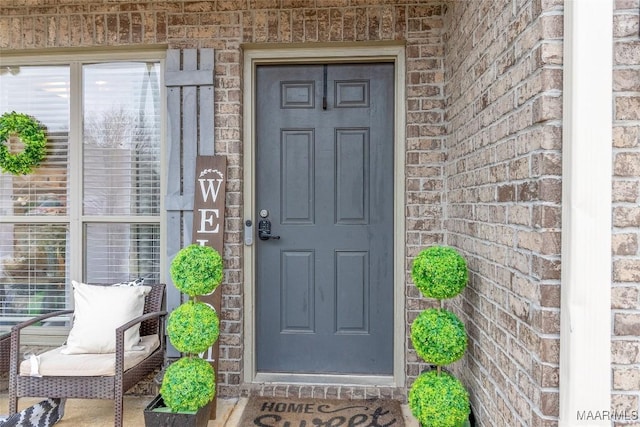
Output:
x=32 y=135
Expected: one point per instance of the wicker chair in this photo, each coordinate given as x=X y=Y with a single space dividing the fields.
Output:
x=94 y=387
x=5 y=346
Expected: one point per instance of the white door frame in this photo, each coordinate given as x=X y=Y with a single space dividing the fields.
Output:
x=254 y=54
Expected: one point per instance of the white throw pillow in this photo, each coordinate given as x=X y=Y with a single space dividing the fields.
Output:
x=99 y=310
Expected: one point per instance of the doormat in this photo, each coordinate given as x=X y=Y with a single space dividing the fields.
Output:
x=291 y=412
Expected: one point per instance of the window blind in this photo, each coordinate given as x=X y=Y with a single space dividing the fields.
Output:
x=121 y=139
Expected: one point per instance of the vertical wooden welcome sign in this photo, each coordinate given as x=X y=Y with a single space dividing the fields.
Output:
x=208 y=230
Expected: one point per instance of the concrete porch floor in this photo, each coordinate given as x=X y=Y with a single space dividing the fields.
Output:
x=99 y=413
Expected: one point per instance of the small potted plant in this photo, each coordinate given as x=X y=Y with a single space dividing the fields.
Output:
x=437 y=398
x=188 y=385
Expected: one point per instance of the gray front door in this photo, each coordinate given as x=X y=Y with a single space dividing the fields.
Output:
x=324 y=164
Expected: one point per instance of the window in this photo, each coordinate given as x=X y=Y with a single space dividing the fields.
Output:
x=91 y=210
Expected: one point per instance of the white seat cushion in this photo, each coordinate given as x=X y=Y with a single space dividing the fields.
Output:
x=54 y=363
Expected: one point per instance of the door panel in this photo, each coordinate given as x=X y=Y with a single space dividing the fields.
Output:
x=297 y=176
x=324 y=289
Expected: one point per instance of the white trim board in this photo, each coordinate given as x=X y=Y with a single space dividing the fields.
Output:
x=265 y=54
x=585 y=330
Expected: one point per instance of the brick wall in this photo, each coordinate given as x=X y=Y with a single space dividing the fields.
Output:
x=626 y=209
x=503 y=191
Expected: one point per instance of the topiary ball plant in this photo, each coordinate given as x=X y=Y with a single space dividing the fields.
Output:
x=438 y=336
x=188 y=384
x=436 y=398
x=439 y=399
x=440 y=272
x=196 y=270
x=193 y=327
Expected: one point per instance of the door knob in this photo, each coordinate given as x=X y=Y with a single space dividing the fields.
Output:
x=264 y=230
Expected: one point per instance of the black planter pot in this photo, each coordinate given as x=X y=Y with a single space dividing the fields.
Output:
x=172 y=419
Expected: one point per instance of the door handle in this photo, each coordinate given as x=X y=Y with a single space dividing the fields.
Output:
x=264 y=230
